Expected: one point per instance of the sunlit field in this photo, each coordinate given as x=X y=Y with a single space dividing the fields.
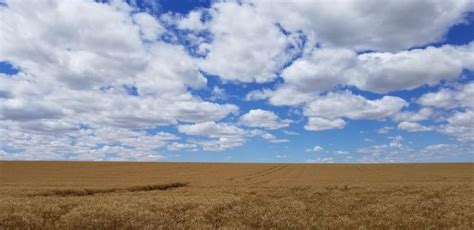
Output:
x=85 y=195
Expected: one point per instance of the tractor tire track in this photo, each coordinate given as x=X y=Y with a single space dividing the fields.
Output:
x=266 y=172
x=252 y=174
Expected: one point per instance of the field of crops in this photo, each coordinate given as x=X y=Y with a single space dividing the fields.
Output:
x=85 y=195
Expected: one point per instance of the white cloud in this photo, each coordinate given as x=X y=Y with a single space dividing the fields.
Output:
x=441 y=99
x=413 y=127
x=239 y=52
x=346 y=104
x=420 y=115
x=266 y=136
x=89 y=85
x=244 y=52
x=447 y=98
x=81 y=63
x=291 y=133
x=443 y=152
x=256 y=95
x=323 y=69
x=103 y=69
x=369 y=140
x=288 y=94
x=218 y=93
x=455 y=104
x=460 y=125
x=24 y=110
x=363 y=25
x=176 y=146
x=385 y=152
x=325 y=112
x=192 y=21
x=220 y=144
x=320 y=70
x=384 y=129
x=150 y=28
x=273 y=139
x=223 y=136
x=316 y=149
x=341 y=152
x=83 y=144
x=436 y=147
x=320 y=124
x=387 y=72
x=259 y=118
x=403 y=153
x=212 y=129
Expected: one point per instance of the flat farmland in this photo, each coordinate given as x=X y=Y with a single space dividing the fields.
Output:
x=100 y=195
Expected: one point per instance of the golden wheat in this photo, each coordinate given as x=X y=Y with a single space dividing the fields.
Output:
x=85 y=195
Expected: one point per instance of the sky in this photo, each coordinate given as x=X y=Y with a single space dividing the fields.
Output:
x=237 y=81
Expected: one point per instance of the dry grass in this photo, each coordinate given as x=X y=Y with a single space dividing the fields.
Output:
x=67 y=195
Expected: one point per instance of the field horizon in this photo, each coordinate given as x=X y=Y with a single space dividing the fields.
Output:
x=245 y=162
x=131 y=195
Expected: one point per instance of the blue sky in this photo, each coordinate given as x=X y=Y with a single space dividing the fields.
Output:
x=244 y=81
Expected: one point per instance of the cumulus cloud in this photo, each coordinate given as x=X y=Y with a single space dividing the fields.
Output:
x=176 y=146
x=83 y=144
x=420 y=115
x=386 y=72
x=461 y=125
x=150 y=28
x=222 y=136
x=341 y=152
x=192 y=21
x=212 y=129
x=324 y=69
x=456 y=104
x=244 y=52
x=317 y=149
x=232 y=55
x=413 y=127
x=239 y=52
x=448 y=98
x=320 y=124
x=326 y=112
x=105 y=69
x=400 y=152
x=364 y=25
x=384 y=129
x=220 y=144
x=98 y=86
x=291 y=133
x=389 y=152
x=87 y=61
x=259 y=118
x=439 y=152
x=346 y=104
x=266 y=136
x=258 y=95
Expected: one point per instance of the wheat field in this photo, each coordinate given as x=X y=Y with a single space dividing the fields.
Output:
x=86 y=195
